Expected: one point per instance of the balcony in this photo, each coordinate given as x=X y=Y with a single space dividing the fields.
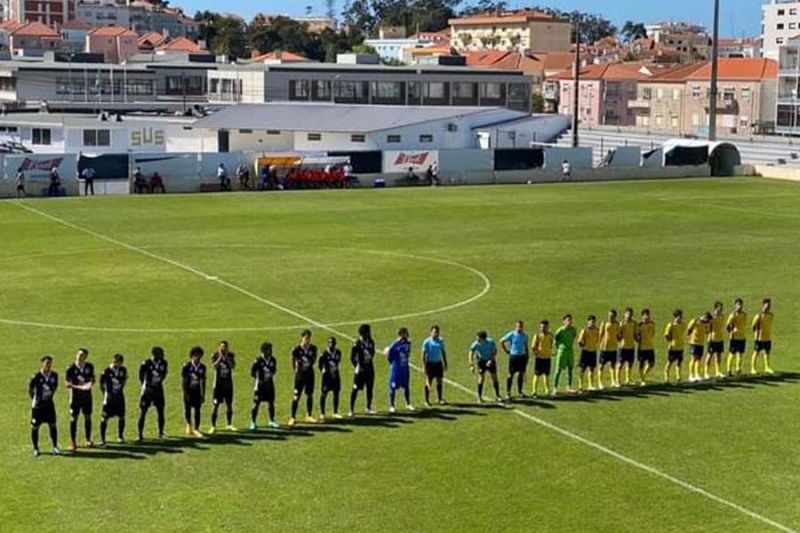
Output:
x=726 y=105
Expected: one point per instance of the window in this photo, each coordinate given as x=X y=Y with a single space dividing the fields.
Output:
x=321 y=90
x=414 y=92
x=745 y=92
x=351 y=92
x=792 y=25
x=519 y=96
x=647 y=93
x=425 y=138
x=298 y=90
x=358 y=138
x=40 y=136
x=676 y=94
x=388 y=92
x=695 y=91
x=778 y=40
x=434 y=90
x=314 y=137
x=779 y=26
x=273 y=132
x=793 y=11
x=393 y=139
x=659 y=120
x=781 y=12
x=674 y=121
x=96 y=137
x=660 y=93
x=138 y=87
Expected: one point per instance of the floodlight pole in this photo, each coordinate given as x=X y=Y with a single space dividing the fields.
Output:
x=576 y=84
x=712 y=104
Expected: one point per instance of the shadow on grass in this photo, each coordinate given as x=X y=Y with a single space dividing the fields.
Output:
x=665 y=389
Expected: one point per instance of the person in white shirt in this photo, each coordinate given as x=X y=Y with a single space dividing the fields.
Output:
x=566 y=171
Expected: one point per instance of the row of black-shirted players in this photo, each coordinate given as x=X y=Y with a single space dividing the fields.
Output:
x=80 y=378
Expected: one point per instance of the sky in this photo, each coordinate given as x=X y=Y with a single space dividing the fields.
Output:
x=738 y=18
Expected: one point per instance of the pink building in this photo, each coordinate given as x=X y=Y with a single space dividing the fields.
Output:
x=605 y=91
x=116 y=43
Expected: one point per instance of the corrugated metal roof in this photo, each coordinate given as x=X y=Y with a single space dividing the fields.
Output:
x=334 y=118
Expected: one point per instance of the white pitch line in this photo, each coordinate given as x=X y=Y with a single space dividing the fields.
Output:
x=536 y=420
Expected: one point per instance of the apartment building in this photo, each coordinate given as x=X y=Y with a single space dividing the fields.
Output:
x=526 y=31
x=48 y=12
x=659 y=105
x=780 y=21
x=688 y=41
x=116 y=43
x=787 y=113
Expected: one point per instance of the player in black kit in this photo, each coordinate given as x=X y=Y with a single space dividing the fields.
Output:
x=263 y=371
x=193 y=377
x=80 y=379
x=362 y=355
x=304 y=356
x=152 y=374
x=112 y=385
x=329 y=363
x=41 y=389
x=223 y=361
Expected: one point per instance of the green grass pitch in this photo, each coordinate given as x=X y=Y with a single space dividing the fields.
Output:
x=185 y=270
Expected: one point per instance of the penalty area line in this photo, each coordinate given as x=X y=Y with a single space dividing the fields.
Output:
x=523 y=414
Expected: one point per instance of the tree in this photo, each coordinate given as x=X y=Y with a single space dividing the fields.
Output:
x=633 y=30
x=414 y=15
x=358 y=14
x=483 y=6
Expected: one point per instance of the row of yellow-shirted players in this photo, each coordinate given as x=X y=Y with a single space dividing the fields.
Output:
x=617 y=341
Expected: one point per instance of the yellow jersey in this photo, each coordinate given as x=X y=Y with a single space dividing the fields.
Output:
x=589 y=339
x=674 y=334
x=542 y=345
x=627 y=333
x=762 y=325
x=737 y=325
x=647 y=335
x=717 y=327
x=698 y=332
x=609 y=333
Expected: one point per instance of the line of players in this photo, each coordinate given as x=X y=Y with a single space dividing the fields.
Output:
x=610 y=346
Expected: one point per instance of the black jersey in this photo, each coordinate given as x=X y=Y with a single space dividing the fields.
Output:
x=304 y=358
x=42 y=388
x=329 y=362
x=264 y=370
x=194 y=377
x=152 y=374
x=80 y=375
x=362 y=355
x=223 y=369
x=112 y=382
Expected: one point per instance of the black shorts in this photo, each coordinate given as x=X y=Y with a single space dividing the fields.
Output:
x=738 y=346
x=194 y=398
x=365 y=378
x=626 y=355
x=304 y=383
x=763 y=346
x=434 y=370
x=542 y=366
x=647 y=356
x=223 y=392
x=517 y=364
x=696 y=351
x=81 y=402
x=675 y=356
x=154 y=396
x=588 y=360
x=716 y=347
x=114 y=406
x=265 y=392
x=487 y=365
x=331 y=383
x=608 y=356
x=45 y=413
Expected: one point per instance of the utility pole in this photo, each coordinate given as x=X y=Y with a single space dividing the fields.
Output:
x=576 y=84
x=712 y=104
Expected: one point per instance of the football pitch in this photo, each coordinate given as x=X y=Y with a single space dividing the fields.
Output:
x=122 y=274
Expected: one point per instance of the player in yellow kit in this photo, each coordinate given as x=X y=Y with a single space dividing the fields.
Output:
x=674 y=333
x=697 y=333
x=762 y=334
x=609 y=342
x=737 y=330
x=646 y=336
x=627 y=348
x=588 y=340
x=542 y=348
x=716 y=342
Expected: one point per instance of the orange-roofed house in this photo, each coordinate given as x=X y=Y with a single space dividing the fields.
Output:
x=659 y=104
x=279 y=57
x=116 y=43
x=28 y=38
x=526 y=31
x=605 y=92
x=150 y=41
x=180 y=45
x=746 y=96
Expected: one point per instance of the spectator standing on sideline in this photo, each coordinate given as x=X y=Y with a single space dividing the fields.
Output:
x=139 y=183
x=243 y=173
x=88 y=180
x=55 y=183
x=157 y=183
x=566 y=171
x=20 y=184
x=222 y=176
x=432 y=174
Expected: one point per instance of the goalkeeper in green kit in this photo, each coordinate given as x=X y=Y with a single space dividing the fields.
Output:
x=565 y=356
